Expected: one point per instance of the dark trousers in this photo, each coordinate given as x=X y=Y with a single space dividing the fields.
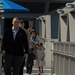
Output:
x=29 y=68
x=21 y=67
x=29 y=64
x=12 y=61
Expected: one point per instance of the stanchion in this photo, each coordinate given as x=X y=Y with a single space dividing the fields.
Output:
x=0 y=60
x=1 y=11
x=0 y=64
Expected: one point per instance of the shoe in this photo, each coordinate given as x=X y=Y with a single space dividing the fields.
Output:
x=39 y=74
x=29 y=73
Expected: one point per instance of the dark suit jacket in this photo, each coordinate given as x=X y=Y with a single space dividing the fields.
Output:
x=15 y=47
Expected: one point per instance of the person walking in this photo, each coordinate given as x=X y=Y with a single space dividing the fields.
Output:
x=31 y=53
x=40 y=55
x=30 y=61
x=15 y=45
x=21 y=25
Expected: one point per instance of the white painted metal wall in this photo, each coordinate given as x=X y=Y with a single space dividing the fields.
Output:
x=45 y=32
x=63 y=58
x=67 y=25
x=45 y=27
x=63 y=61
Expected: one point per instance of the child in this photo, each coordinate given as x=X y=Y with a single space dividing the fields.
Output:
x=40 y=57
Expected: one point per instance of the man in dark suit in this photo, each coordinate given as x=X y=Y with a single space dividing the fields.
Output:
x=15 y=45
x=22 y=25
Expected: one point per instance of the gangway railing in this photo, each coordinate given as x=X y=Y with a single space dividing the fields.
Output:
x=63 y=58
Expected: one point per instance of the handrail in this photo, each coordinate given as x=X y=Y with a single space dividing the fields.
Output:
x=42 y=38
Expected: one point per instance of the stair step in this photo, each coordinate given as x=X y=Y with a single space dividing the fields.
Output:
x=35 y=70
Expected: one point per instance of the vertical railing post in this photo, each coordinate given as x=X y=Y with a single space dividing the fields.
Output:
x=1 y=11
